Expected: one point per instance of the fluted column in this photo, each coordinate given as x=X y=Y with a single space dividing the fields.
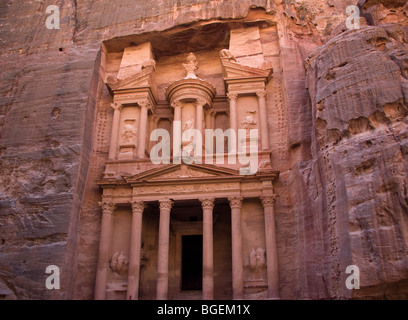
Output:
x=113 y=148
x=232 y=97
x=135 y=248
x=208 y=255
x=163 y=257
x=103 y=255
x=141 y=148
x=268 y=203
x=237 y=255
x=263 y=119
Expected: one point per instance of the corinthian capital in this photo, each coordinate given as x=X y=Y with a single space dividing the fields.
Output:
x=176 y=104
x=166 y=205
x=144 y=104
x=268 y=201
x=137 y=206
x=261 y=94
x=116 y=106
x=235 y=202
x=108 y=207
x=207 y=203
x=232 y=96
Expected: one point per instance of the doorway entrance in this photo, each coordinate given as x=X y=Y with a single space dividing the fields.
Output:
x=192 y=263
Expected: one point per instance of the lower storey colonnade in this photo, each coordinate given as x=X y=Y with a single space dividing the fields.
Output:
x=165 y=207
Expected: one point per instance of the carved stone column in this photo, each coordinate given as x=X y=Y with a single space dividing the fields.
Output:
x=103 y=255
x=199 y=114
x=268 y=203
x=263 y=119
x=141 y=148
x=113 y=148
x=208 y=119
x=177 y=132
x=237 y=255
x=163 y=257
x=232 y=97
x=154 y=124
x=208 y=255
x=135 y=248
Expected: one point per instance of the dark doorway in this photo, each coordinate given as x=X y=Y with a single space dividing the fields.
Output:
x=192 y=263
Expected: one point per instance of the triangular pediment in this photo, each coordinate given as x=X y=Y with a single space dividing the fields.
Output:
x=184 y=172
x=138 y=80
x=236 y=70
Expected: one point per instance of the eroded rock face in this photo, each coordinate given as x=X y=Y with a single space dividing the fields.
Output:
x=341 y=144
x=358 y=183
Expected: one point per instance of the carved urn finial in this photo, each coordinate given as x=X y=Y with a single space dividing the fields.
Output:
x=191 y=66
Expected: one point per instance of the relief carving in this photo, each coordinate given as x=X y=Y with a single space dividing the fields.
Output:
x=227 y=55
x=257 y=259
x=249 y=122
x=119 y=263
x=129 y=132
x=191 y=66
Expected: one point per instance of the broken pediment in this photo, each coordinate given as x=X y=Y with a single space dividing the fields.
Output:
x=234 y=70
x=144 y=78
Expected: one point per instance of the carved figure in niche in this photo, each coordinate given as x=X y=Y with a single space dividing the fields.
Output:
x=129 y=131
x=187 y=145
x=226 y=54
x=119 y=263
x=191 y=66
x=257 y=260
x=249 y=122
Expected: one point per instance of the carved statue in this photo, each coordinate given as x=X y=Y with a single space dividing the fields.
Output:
x=227 y=55
x=257 y=260
x=129 y=131
x=191 y=66
x=249 y=122
x=187 y=144
x=119 y=263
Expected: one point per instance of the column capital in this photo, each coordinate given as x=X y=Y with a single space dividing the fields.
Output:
x=144 y=104
x=207 y=203
x=107 y=207
x=235 y=202
x=201 y=102
x=261 y=94
x=268 y=201
x=176 y=103
x=137 y=206
x=116 y=106
x=166 y=204
x=232 y=96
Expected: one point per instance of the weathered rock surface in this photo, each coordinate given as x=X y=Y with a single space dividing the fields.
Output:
x=341 y=144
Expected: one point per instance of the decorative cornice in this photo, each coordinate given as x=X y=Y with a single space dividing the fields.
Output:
x=268 y=201
x=235 y=202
